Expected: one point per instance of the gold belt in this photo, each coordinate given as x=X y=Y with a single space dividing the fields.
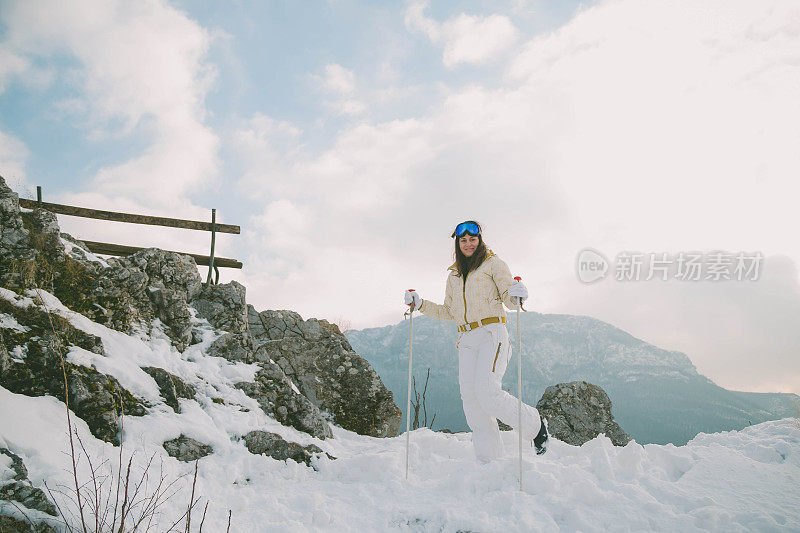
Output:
x=472 y=325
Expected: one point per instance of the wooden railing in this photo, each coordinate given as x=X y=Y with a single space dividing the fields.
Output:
x=103 y=248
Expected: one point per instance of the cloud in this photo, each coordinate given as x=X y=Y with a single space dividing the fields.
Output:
x=741 y=333
x=339 y=84
x=11 y=66
x=661 y=127
x=140 y=72
x=13 y=158
x=138 y=76
x=465 y=38
x=339 y=79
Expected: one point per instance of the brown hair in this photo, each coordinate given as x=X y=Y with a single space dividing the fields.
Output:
x=468 y=264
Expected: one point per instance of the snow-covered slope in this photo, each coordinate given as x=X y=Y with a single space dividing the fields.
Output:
x=733 y=481
x=657 y=395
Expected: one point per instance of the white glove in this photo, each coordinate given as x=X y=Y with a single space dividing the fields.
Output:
x=518 y=290
x=412 y=297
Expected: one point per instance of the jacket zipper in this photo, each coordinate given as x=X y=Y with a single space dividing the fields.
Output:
x=464 y=294
x=496 y=354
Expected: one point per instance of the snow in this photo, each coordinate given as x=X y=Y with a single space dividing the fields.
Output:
x=734 y=481
x=18 y=353
x=9 y=322
x=6 y=473
x=74 y=250
x=14 y=298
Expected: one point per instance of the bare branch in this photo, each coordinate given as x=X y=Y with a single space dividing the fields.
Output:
x=191 y=499
x=66 y=402
x=204 y=518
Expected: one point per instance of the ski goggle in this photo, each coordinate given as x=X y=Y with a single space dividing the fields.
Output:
x=466 y=227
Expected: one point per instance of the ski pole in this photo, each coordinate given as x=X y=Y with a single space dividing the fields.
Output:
x=519 y=388
x=410 y=313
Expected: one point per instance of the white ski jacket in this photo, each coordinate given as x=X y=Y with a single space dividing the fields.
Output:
x=483 y=295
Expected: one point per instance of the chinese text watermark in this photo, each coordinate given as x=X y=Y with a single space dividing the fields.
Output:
x=682 y=266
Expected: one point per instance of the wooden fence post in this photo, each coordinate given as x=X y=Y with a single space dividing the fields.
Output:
x=213 y=235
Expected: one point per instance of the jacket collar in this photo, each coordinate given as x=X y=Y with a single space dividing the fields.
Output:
x=454 y=266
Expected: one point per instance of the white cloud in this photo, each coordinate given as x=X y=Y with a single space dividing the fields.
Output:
x=140 y=77
x=659 y=127
x=266 y=149
x=339 y=84
x=11 y=66
x=741 y=333
x=476 y=40
x=339 y=79
x=465 y=38
x=141 y=71
x=13 y=158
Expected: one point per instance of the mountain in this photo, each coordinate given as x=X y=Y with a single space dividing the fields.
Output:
x=657 y=395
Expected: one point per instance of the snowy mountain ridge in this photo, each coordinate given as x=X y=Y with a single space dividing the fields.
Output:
x=657 y=395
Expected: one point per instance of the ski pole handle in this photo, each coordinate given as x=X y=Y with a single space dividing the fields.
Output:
x=411 y=305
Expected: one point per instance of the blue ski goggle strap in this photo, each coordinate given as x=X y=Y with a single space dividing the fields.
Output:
x=467 y=227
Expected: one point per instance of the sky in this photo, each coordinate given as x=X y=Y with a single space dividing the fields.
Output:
x=347 y=139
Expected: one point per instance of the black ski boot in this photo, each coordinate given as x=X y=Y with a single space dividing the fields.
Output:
x=540 y=441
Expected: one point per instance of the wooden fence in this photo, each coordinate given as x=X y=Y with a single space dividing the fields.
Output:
x=103 y=248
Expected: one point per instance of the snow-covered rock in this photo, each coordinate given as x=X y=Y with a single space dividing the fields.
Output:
x=316 y=357
x=156 y=293
x=578 y=411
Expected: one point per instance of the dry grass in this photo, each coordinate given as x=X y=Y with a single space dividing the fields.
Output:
x=109 y=500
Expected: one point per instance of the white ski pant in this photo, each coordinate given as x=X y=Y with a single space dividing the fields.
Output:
x=483 y=355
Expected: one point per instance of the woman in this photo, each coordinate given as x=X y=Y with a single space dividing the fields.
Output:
x=478 y=285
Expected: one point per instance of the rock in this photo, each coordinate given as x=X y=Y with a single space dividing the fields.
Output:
x=277 y=398
x=20 y=472
x=93 y=396
x=172 y=387
x=29 y=496
x=22 y=491
x=5 y=359
x=272 y=444
x=309 y=374
x=14 y=238
x=224 y=306
x=10 y=524
x=169 y=270
x=578 y=411
x=32 y=255
x=187 y=449
x=150 y=284
x=319 y=359
x=131 y=292
x=170 y=307
x=120 y=297
x=45 y=233
x=233 y=347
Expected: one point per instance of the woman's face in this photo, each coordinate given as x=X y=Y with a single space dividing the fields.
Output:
x=468 y=243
